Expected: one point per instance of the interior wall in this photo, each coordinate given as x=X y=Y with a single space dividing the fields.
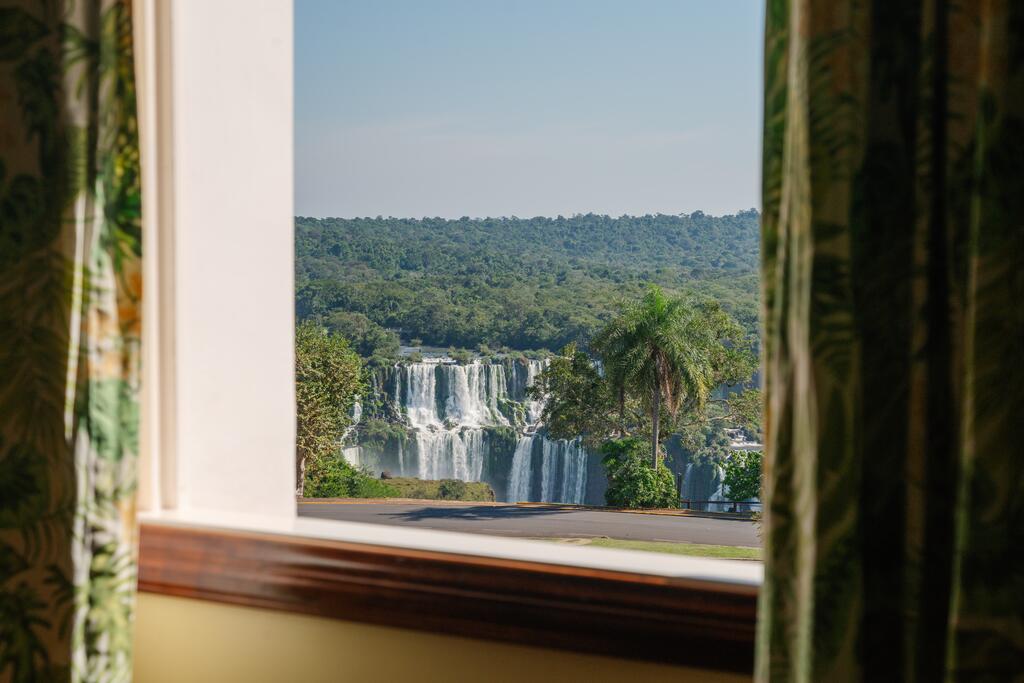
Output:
x=179 y=639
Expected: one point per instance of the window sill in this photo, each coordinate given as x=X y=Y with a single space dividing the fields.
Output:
x=687 y=611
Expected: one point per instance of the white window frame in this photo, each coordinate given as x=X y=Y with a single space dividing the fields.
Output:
x=215 y=84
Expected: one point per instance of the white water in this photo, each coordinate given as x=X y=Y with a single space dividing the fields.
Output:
x=714 y=501
x=522 y=471
x=574 y=479
x=447 y=406
x=450 y=454
x=473 y=394
x=563 y=474
x=352 y=455
x=534 y=408
x=420 y=392
x=547 y=472
x=719 y=494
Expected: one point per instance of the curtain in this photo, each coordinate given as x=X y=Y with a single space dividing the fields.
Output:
x=70 y=295
x=893 y=282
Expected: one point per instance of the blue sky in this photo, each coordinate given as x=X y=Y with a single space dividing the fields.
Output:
x=455 y=108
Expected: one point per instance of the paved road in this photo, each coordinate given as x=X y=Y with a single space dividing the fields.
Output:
x=541 y=522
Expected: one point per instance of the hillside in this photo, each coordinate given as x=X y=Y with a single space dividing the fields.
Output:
x=534 y=283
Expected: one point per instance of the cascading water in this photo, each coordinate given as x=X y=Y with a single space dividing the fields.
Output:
x=563 y=471
x=352 y=455
x=534 y=407
x=450 y=454
x=420 y=392
x=474 y=392
x=520 y=478
x=574 y=477
x=451 y=409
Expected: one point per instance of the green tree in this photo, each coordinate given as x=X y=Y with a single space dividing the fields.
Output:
x=671 y=354
x=369 y=339
x=582 y=404
x=632 y=481
x=464 y=282
x=462 y=356
x=328 y=380
x=742 y=475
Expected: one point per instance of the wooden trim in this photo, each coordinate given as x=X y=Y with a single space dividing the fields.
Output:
x=641 y=616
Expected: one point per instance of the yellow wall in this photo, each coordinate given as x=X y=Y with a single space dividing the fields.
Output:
x=190 y=640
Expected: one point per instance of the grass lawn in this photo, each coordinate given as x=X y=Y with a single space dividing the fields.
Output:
x=408 y=487
x=726 y=552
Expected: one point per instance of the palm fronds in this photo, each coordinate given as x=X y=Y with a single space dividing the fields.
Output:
x=665 y=350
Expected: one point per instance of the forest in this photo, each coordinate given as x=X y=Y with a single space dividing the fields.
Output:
x=517 y=283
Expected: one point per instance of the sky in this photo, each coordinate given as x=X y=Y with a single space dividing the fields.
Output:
x=414 y=108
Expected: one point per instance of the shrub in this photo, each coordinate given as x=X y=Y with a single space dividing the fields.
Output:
x=501 y=439
x=632 y=482
x=338 y=479
x=462 y=356
x=742 y=475
x=451 y=489
x=377 y=433
x=379 y=361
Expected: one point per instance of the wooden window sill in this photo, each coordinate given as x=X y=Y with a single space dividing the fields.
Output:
x=663 y=619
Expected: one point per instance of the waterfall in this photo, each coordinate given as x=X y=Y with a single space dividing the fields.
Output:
x=474 y=449
x=352 y=455
x=522 y=470
x=547 y=471
x=719 y=494
x=449 y=409
x=574 y=475
x=450 y=454
x=473 y=394
x=421 y=386
x=534 y=407
x=704 y=482
x=563 y=473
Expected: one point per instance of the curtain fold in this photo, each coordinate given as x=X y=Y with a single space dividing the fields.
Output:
x=893 y=282
x=70 y=299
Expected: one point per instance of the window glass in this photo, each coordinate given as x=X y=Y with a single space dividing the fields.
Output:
x=527 y=259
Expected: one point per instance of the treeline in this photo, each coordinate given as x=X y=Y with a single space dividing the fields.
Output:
x=536 y=283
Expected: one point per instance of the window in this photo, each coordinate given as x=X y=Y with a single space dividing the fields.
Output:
x=485 y=195
x=219 y=468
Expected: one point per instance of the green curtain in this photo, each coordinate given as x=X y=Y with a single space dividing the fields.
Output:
x=893 y=247
x=70 y=296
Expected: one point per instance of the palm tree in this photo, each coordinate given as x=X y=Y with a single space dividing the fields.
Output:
x=658 y=348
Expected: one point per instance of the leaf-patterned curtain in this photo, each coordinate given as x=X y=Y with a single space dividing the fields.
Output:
x=893 y=246
x=70 y=296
